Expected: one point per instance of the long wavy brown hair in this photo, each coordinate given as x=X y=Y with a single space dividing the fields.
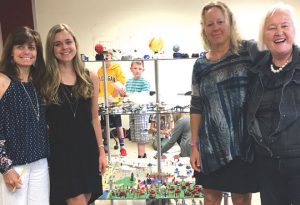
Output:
x=7 y=65
x=83 y=86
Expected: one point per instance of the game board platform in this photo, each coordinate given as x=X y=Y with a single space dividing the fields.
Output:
x=129 y=179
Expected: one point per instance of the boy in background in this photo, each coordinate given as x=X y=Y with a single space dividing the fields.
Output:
x=115 y=87
x=138 y=123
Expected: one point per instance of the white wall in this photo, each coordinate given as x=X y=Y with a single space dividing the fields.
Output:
x=129 y=24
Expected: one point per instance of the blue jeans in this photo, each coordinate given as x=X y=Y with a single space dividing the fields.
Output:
x=279 y=180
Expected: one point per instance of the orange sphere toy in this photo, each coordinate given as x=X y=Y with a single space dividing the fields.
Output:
x=156 y=44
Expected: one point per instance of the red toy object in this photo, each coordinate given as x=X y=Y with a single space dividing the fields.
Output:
x=152 y=196
x=99 y=48
x=171 y=187
x=197 y=194
x=142 y=192
x=122 y=193
x=197 y=187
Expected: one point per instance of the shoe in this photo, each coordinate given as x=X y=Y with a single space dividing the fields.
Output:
x=144 y=156
x=123 y=152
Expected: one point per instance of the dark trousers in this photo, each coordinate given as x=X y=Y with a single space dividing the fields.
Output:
x=279 y=180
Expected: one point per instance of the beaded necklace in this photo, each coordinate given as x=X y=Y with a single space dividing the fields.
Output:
x=273 y=70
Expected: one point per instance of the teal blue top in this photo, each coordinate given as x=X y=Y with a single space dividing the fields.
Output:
x=137 y=85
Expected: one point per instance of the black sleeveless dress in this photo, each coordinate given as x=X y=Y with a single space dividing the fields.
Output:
x=74 y=166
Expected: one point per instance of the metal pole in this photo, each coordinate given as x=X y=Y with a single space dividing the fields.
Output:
x=106 y=112
x=157 y=116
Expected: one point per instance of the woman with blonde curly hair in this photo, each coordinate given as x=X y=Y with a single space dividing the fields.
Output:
x=220 y=147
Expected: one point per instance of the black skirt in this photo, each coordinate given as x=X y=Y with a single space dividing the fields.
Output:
x=236 y=177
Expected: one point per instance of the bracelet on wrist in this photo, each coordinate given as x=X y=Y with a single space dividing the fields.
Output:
x=193 y=144
x=5 y=173
x=101 y=145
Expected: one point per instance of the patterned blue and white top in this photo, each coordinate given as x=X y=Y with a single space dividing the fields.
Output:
x=23 y=135
x=219 y=91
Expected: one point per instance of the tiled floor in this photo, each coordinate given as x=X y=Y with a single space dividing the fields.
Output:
x=132 y=153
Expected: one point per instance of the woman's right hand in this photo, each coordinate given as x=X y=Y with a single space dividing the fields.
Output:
x=195 y=159
x=12 y=180
x=102 y=162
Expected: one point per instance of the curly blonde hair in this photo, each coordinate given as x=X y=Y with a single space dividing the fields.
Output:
x=235 y=39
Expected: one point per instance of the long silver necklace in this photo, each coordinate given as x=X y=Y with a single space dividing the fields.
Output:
x=71 y=104
x=37 y=110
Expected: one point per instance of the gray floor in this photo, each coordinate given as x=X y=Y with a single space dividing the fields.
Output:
x=132 y=153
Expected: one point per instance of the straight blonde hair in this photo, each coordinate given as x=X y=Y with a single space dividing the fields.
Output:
x=83 y=86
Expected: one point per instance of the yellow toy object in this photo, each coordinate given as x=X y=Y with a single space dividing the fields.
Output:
x=156 y=44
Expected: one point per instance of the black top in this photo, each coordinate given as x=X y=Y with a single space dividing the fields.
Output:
x=268 y=111
x=74 y=165
x=279 y=136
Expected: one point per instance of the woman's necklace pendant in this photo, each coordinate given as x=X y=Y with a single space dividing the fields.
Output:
x=37 y=110
x=70 y=100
